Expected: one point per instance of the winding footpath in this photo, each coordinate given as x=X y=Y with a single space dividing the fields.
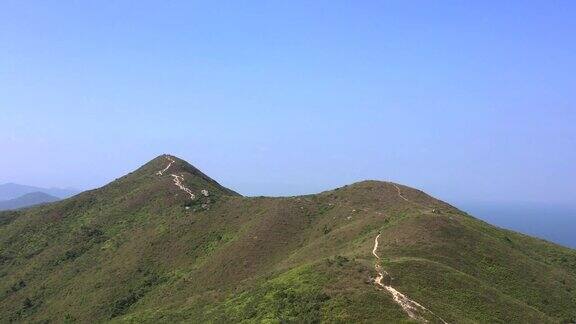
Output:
x=178 y=183
x=176 y=178
x=171 y=160
x=400 y=193
x=410 y=201
x=410 y=307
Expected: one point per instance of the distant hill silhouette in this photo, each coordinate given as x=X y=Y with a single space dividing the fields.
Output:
x=27 y=200
x=13 y=190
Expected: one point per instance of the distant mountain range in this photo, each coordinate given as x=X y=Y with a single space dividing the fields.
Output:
x=16 y=196
x=168 y=244
x=27 y=200
x=13 y=190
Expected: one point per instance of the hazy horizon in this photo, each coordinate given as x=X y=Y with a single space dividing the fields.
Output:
x=460 y=100
x=292 y=188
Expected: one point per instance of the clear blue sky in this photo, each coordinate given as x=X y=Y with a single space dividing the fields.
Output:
x=468 y=100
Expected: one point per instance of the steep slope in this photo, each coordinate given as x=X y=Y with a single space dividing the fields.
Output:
x=27 y=200
x=154 y=247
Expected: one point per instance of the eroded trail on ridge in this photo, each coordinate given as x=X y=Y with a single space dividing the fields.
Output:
x=176 y=178
x=410 y=307
x=178 y=183
x=408 y=200
x=170 y=160
x=400 y=193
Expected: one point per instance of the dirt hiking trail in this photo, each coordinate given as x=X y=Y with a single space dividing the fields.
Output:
x=410 y=307
x=178 y=179
x=170 y=160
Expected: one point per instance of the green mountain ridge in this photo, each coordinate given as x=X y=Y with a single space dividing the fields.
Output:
x=166 y=243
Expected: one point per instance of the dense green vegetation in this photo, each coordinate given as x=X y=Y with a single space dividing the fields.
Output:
x=139 y=250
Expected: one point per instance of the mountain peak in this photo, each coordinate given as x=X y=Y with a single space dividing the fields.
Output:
x=167 y=164
x=163 y=182
x=180 y=174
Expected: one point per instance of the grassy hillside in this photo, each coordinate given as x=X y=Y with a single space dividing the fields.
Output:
x=141 y=250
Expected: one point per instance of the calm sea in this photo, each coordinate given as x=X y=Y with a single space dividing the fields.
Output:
x=555 y=223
